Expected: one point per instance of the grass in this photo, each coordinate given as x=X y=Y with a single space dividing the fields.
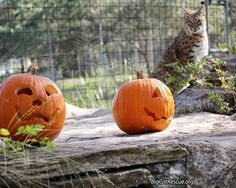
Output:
x=81 y=82
x=26 y=168
x=26 y=165
x=92 y=92
x=96 y=91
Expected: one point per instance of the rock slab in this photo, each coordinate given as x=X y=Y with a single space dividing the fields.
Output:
x=196 y=150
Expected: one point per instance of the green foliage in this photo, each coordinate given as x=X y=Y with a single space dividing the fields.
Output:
x=17 y=160
x=227 y=84
x=45 y=141
x=4 y=132
x=85 y=35
x=30 y=132
x=223 y=47
x=198 y=74
x=96 y=91
x=233 y=49
x=92 y=95
x=178 y=76
x=220 y=106
x=25 y=25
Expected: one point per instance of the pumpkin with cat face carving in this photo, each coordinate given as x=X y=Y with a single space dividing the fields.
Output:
x=143 y=105
x=27 y=99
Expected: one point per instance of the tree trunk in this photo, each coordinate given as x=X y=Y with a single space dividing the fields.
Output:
x=51 y=64
x=150 y=51
x=103 y=57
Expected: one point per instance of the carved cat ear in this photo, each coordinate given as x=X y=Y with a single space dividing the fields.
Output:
x=202 y=10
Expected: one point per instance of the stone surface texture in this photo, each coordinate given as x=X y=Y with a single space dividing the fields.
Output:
x=196 y=150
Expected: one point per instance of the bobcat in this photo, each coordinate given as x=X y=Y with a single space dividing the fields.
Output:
x=190 y=45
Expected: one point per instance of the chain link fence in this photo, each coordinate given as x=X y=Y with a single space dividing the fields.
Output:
x=91 y=47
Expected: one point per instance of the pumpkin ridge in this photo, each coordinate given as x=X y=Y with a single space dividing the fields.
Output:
x=138 y=111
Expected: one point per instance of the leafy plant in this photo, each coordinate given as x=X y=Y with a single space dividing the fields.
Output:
x=30 y=132
x=220 y=106
x=227 y=83
x=208 y=73
x=178 y=76
x=233 y=49
x=4 y=132
x=11 y=168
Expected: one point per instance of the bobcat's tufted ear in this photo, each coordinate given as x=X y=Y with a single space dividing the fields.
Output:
x=202 y=10
x=186 y=12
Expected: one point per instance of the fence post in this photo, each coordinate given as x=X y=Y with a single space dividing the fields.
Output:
x=52 y=67
x=206 y=4
x=226 y=7
x=206 y=9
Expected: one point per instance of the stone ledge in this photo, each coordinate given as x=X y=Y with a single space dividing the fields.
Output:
x=91 y=150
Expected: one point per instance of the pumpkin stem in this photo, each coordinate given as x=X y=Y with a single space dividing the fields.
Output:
x=33 y=68
x=140 y=74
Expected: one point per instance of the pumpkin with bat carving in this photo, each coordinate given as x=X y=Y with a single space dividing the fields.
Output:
x=143 y=105
x=27 y=99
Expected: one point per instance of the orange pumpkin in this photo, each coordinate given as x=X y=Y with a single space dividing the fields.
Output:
x=143 y=105
x=27 y=99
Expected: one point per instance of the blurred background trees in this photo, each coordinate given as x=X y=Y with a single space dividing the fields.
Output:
x=95 y=38
x=81 y=33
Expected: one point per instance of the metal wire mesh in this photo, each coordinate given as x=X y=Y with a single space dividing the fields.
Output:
x=90 y=47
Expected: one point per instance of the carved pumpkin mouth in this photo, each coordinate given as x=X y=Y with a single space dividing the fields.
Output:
x=36 y=117
x=153 y=115
x=32 y=116
x=156 y=94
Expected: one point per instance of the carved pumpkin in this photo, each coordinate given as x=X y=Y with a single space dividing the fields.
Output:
x=143 y=105
x=27 y=99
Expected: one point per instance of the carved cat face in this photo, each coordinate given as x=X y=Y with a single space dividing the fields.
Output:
x=194 y=21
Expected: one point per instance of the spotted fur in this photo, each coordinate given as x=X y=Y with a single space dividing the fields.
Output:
x=191 y=43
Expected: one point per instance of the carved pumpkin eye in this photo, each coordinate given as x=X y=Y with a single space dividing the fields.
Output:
x=50 y=90
x=25 y=91
x=156 y=93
